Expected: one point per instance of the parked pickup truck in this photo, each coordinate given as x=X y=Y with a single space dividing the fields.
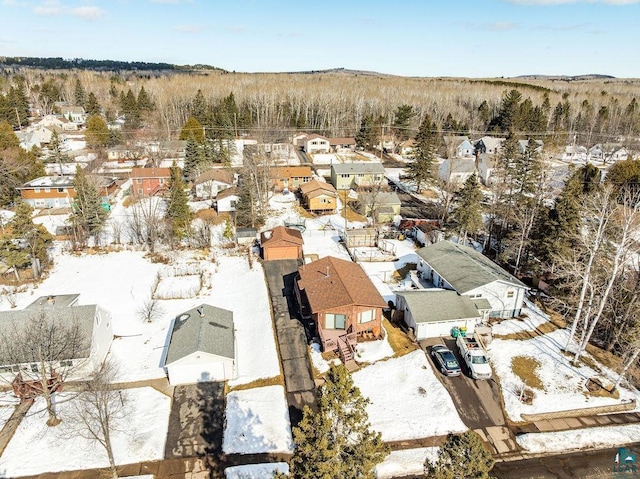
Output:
x=474 y=355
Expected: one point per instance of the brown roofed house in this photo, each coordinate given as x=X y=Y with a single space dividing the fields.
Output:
x=319 y=196
x=149 y=181
x=342 y=301
x=281 y=243
x=290 y=177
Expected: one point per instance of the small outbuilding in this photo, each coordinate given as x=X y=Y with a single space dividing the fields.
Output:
x=202 y=346
x=432 y=314
x=281 y=243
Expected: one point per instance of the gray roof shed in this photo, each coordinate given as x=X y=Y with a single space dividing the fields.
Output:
x=204 y=328
x=464 y=268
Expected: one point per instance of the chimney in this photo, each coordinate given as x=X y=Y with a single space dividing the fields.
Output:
x=200 y=311
x=327 y=272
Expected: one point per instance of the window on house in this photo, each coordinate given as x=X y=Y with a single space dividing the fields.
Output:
x=323 y=200
x=344 y=176
x=47 y=190
x=232 y=204
x=139 y=181
x=66 y=364
x=5 y=369
x=366 y=316
x=161 y=181
x=335 y=321
x=34 y=368
x=36 y=190
x=140 y=191
x=510 y=294
x=60 y=190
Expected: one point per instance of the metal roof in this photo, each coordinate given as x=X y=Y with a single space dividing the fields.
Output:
x=204 y=328
x=464 y=268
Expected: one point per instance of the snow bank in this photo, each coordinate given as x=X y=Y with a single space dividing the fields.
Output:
x=256 y=471
x=257 y=420
x=36 y=448
x=406 y=462
x=595 y=437
x=407 y=400
x=315 y=352
x=372 y=351
x=535 y=317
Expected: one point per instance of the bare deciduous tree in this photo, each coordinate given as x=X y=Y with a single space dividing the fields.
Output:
x=150 y=310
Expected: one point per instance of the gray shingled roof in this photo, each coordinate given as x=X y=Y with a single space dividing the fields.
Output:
x=434 y=306
x=464 y=268
x=12 y=321
x=210 y=332
x=358 y=168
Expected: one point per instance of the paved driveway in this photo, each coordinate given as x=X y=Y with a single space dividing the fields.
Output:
x=292 y=337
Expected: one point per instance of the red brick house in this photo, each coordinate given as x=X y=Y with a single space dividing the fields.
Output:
x=290 y=177
x=149 y=181
x=342 y=301
x=281 y=243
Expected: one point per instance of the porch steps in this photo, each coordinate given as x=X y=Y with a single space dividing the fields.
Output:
x=345 y=351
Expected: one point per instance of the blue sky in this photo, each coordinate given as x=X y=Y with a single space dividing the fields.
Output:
x=469 y=38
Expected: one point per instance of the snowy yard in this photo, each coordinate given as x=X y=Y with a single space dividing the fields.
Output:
x=121 y=282
x=256 y=471
x=592 y=438
x=257 y=420
x=37 y=448
x=406 y=462
x=407 y=400
x=564 y=385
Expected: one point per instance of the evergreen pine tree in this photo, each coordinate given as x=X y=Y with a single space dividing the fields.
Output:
x=178 y=213
x=401 y=121
x=462 y=456
x=192 y=159
x=192 y=129
x=8 y=138
x=365 y=136
x=79 y=94
x=88 y=215
x=421 y=171
x=467 y=213
x=337 y=441
x=199 y=107
x=36 y=236
x=18 y=105
x=57 y=153
x=92 y=107
x=129 y=106
x=227 y=232
x=144 y=102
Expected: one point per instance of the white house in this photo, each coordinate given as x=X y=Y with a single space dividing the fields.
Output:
x=201 y=346
x=92 y=322
x=58 y=122
x=456 y=170
x=573 y=153
x=434 y=313
x=316 y=144
x=489 y=144
x=486 y=167
x=211 y=182
x=460 y=268
x=226 y=200
x=458 y=146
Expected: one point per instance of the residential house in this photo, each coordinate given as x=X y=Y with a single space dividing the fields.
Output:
x=74 y=114
x=460 y=268
x=315 y=143
x=458 y=147
x=58 y=191
x=524 y=144
x=488 y=144
x=298 y=139
x=226 y=200
x=201 y=346
x=352 y=175
x=608 y=153
x=383 y=206
x=290 y=178
x=93 y=323
x=149 y=181
x=318 y=196
x=434 y=313
x=573 y=153
x=56 y=121
x=456 y=171
x=211 y=182
x=486 y=168
x=281 y=243
x=340 y=144
x=121 y=153
x=342 y=302
x=37 y=136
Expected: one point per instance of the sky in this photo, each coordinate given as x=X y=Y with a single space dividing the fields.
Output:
x=428 y=38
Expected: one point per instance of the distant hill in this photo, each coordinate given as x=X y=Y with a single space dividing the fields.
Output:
x=98 y=65
x=591 y=76
x=343 y=71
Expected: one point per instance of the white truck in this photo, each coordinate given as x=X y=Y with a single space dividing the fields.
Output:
x=475 y=356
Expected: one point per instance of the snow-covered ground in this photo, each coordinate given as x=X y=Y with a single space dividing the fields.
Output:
x=564 y=384
x=36 y=448
x=257 y=420
x=372 y=351
x=256 y=471
x=51 y=222
x=534 y=318
x=122 y=281
x=407 y=400
x=406 y=462
x=595 y=437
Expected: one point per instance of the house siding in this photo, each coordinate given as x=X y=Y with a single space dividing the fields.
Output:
x=351 y=324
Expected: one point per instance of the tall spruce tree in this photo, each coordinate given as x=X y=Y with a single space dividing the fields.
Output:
x=337 y=441
x=462 y=456
x=92 y=107
x=365 y=136
x=467 y=212
x=192 y=129
x=402 y=120
x=144 y=102
x=88 y=215
x=79 y=93
x=97 y=132
x=192 y=159
x=178 y=213
x=421 y=170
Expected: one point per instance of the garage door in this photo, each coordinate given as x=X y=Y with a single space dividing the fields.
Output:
x=285 y=252
x=195 y=373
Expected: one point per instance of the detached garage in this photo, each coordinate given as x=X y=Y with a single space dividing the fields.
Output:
x=281 y=243
x=202 y=346
x=432 y=314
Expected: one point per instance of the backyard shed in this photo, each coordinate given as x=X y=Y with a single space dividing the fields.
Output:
x=281 y=243
x=202 y=346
